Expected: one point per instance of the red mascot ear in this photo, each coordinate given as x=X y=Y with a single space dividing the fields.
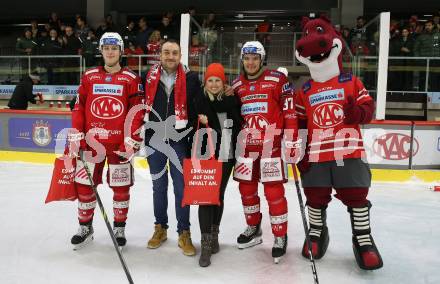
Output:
x=324 y=18
x=304 y=21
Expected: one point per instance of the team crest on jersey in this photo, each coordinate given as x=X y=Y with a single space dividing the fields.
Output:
x=108 y=89
x=106 y=107
x=328 y=115
x=41 y=133
x=326 y=96
x=256 y=121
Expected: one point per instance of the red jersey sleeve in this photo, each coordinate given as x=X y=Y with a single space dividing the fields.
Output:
x=360 y=93
x=78 y=113
x=300 y=108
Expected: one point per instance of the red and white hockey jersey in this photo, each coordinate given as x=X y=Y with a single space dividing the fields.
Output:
x=321 y=104
x=261 y=101
x=104 y=101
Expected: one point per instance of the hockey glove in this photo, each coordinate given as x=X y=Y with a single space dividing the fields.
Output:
x=75 y=143
x=127 y=150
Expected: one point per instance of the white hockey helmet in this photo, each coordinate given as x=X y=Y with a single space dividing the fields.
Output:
x=111 y=39
x=253 y=47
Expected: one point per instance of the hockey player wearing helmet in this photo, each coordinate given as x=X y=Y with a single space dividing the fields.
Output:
x=258 y=156
x=105 y=100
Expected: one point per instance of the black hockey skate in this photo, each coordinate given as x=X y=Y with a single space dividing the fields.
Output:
x=83 y=237
x=318 y=233
x=119 y=231
x=252 y=236
x=279 y=248
x=364 y=249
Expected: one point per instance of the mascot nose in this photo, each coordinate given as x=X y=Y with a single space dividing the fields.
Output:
x=300 y=49
x=322 y=43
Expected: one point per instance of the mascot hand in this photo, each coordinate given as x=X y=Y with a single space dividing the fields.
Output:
x=352 y=112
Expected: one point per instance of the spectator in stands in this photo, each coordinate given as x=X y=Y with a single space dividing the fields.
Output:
x=132 y=51
x=35 y=30
x=90 y=48
x=53 y=45
x=196 y=52
x=153 y=47
x=167 y=30
x=82 y=30
x=72 y=46
x=436 y=22
x=129 y=33
x=428 y=45
x=193 y=14
x=359 y=33
x=412 y=25
x=402 y=45
x=143 y=34
x=208 y=35
x=26 y=45
x=55 y=22
x=23 y=93
x=345 y=32
x=105 y=26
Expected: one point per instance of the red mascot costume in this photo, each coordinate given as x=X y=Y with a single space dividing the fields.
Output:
x=331 y=106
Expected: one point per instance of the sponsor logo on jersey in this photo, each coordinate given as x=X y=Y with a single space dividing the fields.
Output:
x=252 y=88
x=41 y=133
x=267 y=86
x=107 y=107
x=328 y=115
x=108 y=78
x=254 y=108
x=326 y=96
x=95 y=77
x=254 y=97
x=271 y=170
x=123 y=79
x=395 y=146
x=107 y=89
x=271 y=78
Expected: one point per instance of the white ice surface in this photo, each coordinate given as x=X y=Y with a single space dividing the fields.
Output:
x=35 y=239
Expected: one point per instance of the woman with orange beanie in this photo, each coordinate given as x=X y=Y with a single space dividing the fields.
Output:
x=222 y=114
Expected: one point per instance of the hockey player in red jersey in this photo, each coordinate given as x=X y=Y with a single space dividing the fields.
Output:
x=259 y=147
x=331 y=106
x=105 y=97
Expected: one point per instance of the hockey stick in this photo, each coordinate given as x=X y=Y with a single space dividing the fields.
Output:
x=306 y=227
x=107 y=223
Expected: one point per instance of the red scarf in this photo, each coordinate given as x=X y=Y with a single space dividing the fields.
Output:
x=180 y=106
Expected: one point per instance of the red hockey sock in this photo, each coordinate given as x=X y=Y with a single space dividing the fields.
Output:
x=277 y=208
x=251 y=202
x=121 y=198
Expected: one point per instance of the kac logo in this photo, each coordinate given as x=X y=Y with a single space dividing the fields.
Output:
x=328 y=115
x=395 y=146
x=107 y=107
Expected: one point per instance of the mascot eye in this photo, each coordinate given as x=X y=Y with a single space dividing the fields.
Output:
x=320 y=30
x=307 y=32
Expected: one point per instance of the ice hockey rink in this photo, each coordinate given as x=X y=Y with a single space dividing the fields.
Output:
x=36 y=245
